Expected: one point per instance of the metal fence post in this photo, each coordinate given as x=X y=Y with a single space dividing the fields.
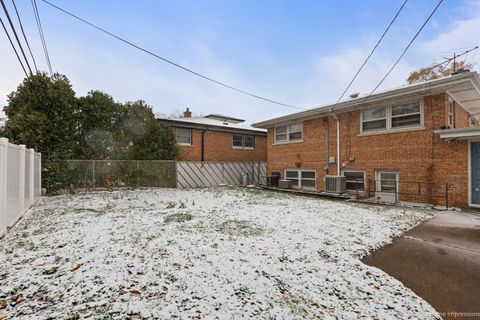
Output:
x=252 y=176
x=93 y=175
x=357 y=189
x=258 y=173
x=446 y=196
x=138 y=173
x=396 y=195
x=175 y=168
x=3 y=185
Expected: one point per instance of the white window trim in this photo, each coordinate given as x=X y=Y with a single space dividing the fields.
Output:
x=299 y=177
x=243 y=141
x=451 y=115
x=287 y=133
x=388 y=117
x=183 y=143
x=364 y=178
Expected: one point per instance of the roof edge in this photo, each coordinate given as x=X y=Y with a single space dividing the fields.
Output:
x=346 y=105
x=193 y=125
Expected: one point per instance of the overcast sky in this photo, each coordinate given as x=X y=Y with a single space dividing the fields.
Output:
x=298 y=52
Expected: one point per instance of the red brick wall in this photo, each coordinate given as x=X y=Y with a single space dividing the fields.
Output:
x=193 y=152
x=462 y=117
x=218 y=147
x=418 y=156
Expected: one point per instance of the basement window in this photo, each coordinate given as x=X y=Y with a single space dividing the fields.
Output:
x=183 y=136
x=302 y=179
x=289 y=133
x=241 y=141
x=355 y=180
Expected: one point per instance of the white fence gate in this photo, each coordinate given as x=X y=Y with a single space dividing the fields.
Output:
x=20 y=182
x=193 y=174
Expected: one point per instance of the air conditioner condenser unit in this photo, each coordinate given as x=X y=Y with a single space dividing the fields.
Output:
x=335 y=184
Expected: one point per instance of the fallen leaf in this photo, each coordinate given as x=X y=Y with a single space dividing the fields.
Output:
x=3 y=304
x=18 y=301
x=76 y=266
x=136 y=292
x=5 y=315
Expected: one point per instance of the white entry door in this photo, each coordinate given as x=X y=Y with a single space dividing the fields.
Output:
x=386 y=186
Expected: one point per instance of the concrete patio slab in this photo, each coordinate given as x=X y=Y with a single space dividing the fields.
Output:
x=440 y=261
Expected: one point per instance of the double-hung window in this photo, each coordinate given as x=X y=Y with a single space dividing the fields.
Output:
x=183 y=136
x=287 y=133
x=355 y=180
x=301 y=179
x=374 y=119
x=241 y=141
x=406 y=115
x=395 y=116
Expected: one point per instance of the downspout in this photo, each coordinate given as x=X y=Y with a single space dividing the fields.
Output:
x=202 y=156
x=338 y=141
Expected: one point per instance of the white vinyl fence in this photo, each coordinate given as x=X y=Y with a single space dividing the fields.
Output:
x=20 y=182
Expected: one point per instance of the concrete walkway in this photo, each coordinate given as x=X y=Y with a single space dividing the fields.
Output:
x=440 y=261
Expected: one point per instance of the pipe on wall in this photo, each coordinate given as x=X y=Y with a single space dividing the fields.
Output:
x=327 y=140
x=338 y=143
x=202 y=156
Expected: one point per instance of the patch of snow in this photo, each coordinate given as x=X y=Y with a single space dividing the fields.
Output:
x=207 y=253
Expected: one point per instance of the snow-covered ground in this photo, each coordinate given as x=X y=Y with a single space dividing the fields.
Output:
x=209 y=254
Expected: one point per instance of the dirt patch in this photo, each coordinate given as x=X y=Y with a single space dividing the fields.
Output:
x=178 y=218
x=240 y=228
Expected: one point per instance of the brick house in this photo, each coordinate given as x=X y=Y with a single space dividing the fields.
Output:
x=217 y=138
x=404 y=144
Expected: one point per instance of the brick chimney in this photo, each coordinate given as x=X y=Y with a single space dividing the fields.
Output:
x=187 y=113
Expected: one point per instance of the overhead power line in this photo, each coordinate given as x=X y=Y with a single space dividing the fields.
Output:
x=42 y=35
x=24 y=35
x=16 y=35
x=198 y=74
x=371 y=53
x=13 y=47
x=405 y=50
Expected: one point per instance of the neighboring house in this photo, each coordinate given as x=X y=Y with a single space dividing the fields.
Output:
x=217 y=138
x=412 y=140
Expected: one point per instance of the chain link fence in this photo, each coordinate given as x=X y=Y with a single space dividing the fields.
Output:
x=99 y=174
